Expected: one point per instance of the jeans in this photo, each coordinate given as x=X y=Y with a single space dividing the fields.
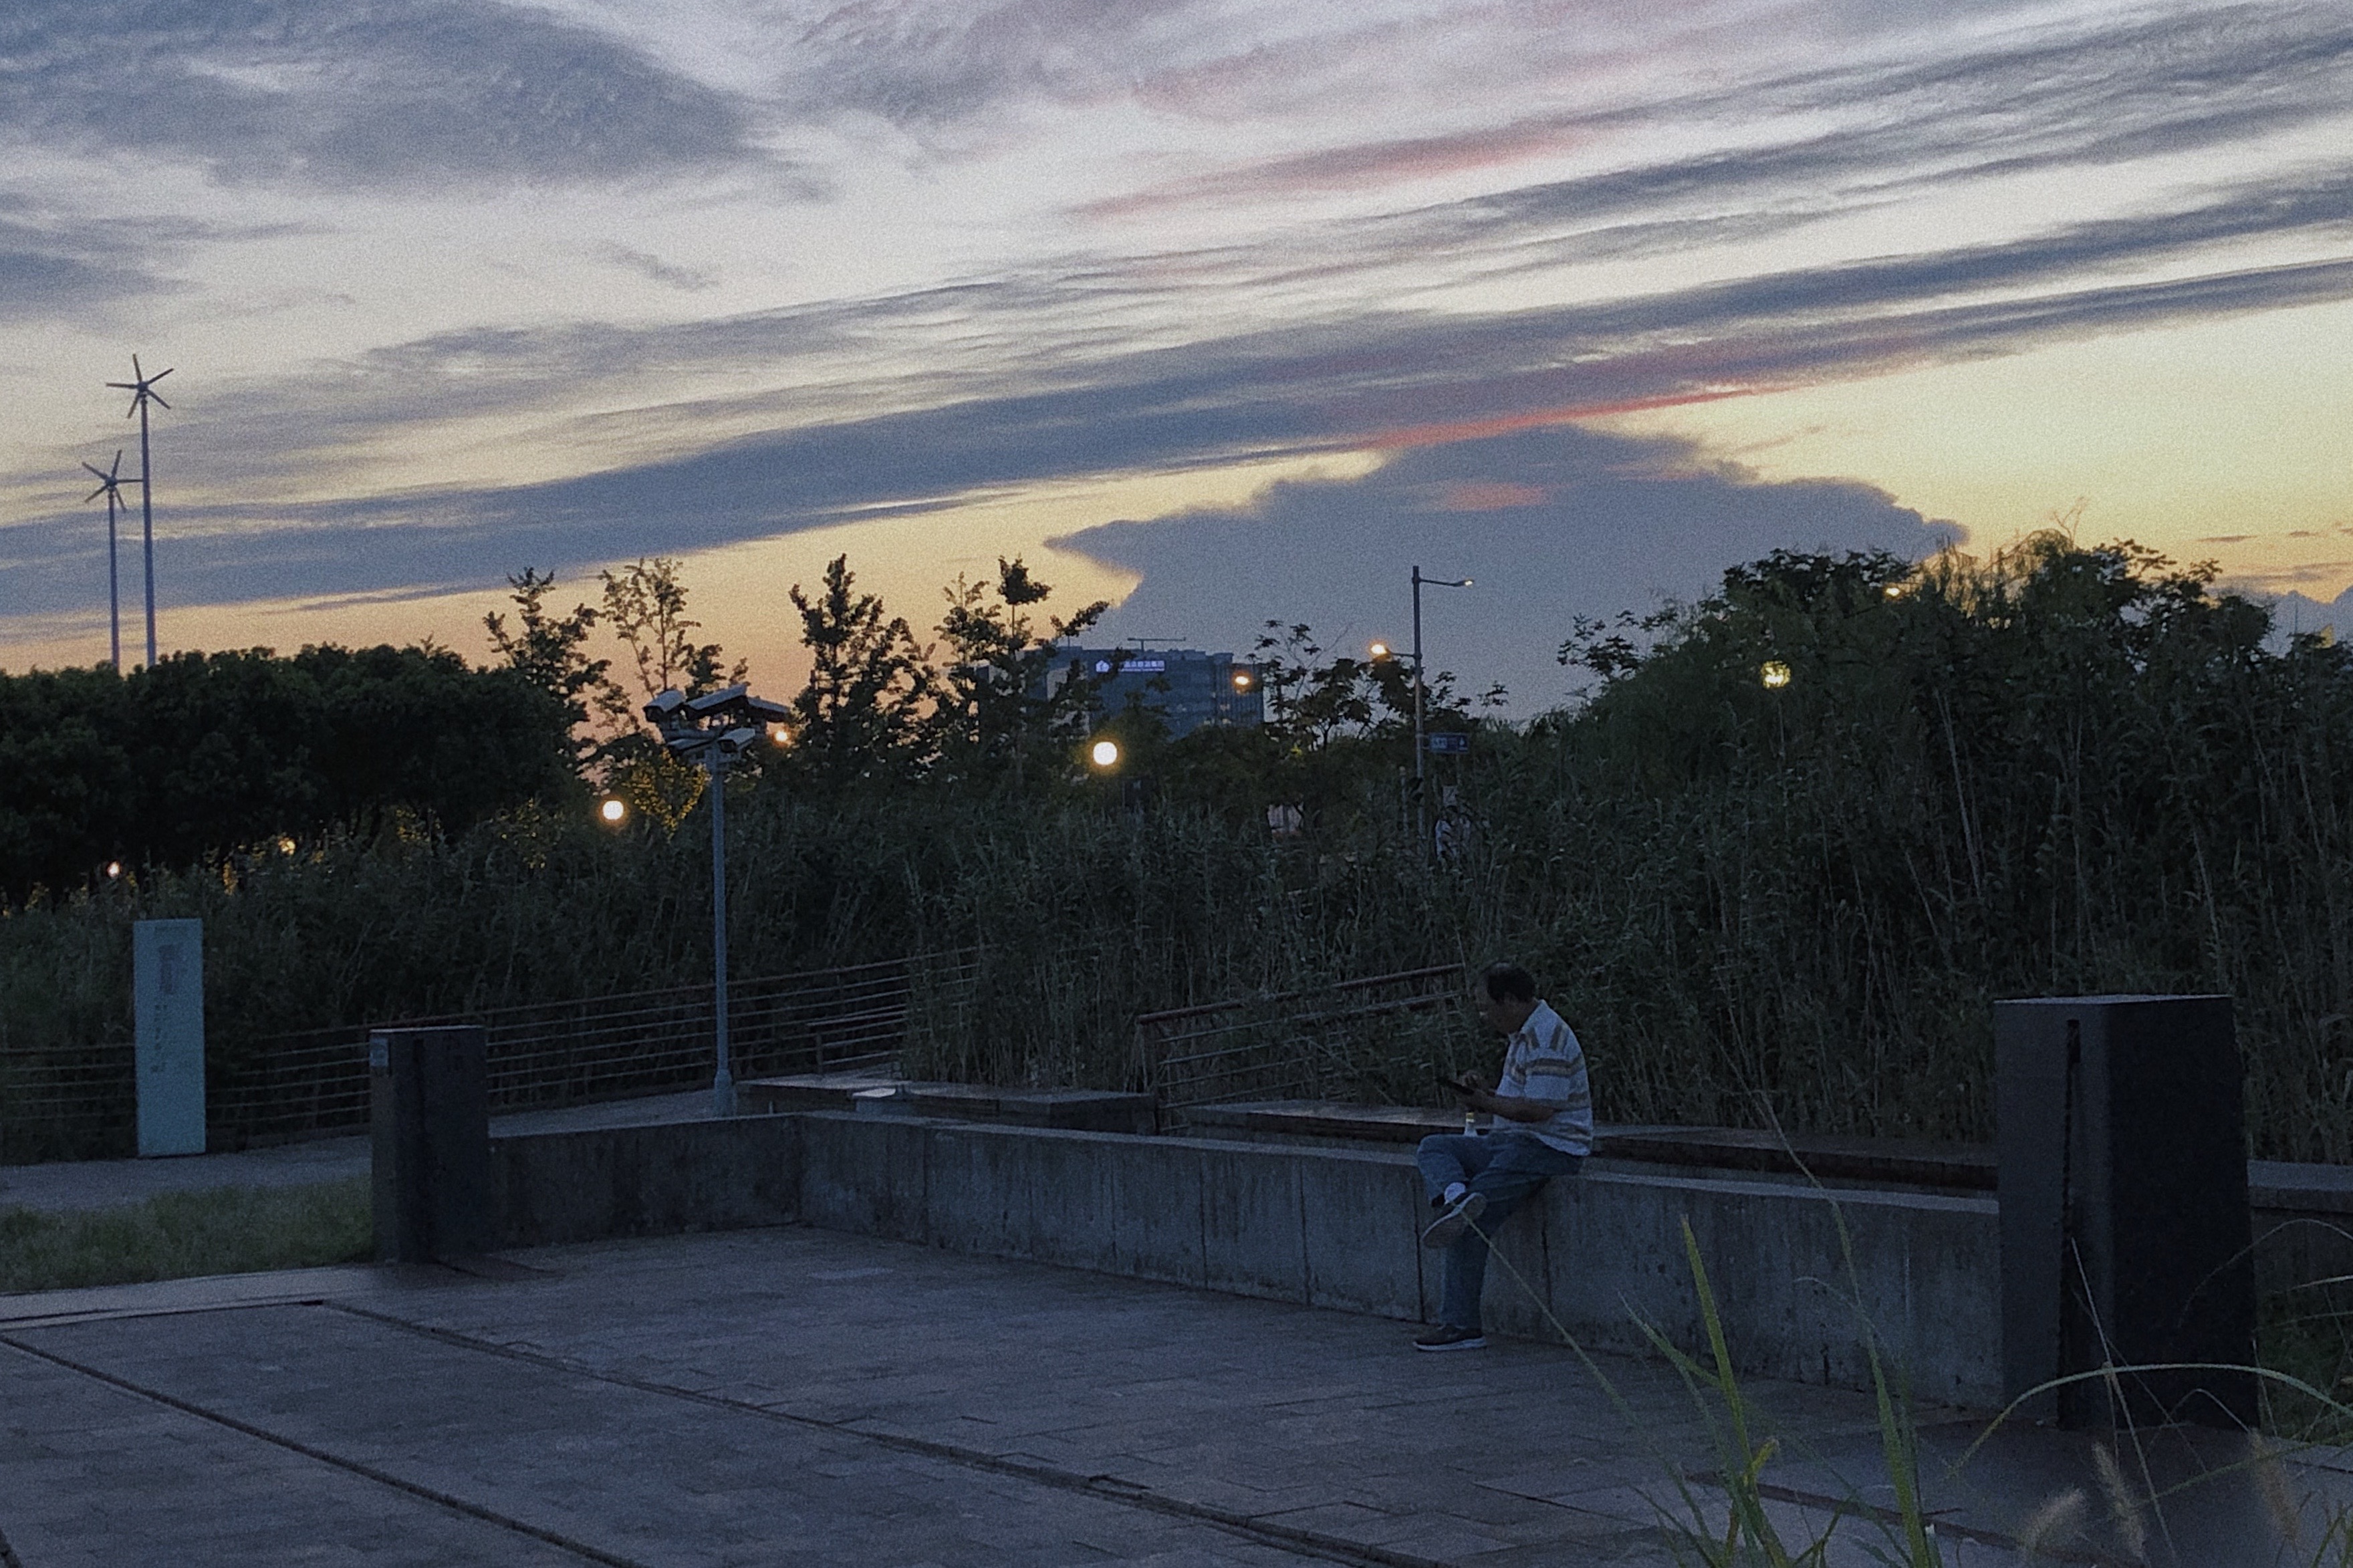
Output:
x=1504 y=1168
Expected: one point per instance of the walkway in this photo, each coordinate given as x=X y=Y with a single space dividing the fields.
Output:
x=800 y=1395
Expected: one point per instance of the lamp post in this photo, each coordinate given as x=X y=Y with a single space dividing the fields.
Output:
x=1420 y=807
x=712 y=732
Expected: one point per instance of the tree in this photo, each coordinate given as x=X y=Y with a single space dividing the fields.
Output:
x=645 y=606
x=1001 y=694
x=548 y=650
x=206 y=754
x=861 y=714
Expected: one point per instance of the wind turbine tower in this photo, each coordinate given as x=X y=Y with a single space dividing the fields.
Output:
x=110 y=485
x=142 y=388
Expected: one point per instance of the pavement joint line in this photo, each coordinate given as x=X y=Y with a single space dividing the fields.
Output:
x=114 y=1314
x=367 y=1472
x=1104 y=1486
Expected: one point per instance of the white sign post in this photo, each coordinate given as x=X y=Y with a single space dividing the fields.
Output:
x=167 y=963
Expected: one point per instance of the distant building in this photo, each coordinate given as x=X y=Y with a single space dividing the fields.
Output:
x=1188 y=687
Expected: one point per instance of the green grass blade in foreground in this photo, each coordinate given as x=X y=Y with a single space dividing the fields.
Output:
x=178 y=1236
x=1749 y=1538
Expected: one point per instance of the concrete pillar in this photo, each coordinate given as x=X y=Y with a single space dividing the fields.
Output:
x=430 y=1117
x=2125 y=1231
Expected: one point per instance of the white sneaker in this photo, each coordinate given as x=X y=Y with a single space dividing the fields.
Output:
x=1449 y=1226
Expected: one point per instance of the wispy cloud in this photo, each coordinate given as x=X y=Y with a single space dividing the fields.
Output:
x=1375 y=381
x=386 y=92
x=653 y=268
x=1251 y=256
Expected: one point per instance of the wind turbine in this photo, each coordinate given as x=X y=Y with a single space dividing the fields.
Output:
x=142 y=388
x=110 y=485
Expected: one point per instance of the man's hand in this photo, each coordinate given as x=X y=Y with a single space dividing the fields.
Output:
x=1472 y=1087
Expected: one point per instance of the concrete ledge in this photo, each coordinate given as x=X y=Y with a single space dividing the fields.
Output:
x=1340 y=1227
x=654 y=1180
x=1337 y=1226
x=1896 y=1162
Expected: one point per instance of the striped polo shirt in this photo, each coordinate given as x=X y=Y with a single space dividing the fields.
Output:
x=1545 y=1063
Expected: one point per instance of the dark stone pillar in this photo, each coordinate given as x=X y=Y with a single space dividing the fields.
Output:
x=2126 y=1238
x=430 y=1116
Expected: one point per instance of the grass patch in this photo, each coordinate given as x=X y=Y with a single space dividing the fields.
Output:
x=2308 y=1334
x=175 y=1235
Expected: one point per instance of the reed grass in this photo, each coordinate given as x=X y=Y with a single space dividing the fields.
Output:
x=2059 y=771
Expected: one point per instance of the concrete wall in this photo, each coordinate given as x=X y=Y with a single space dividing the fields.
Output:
x=659 y=1180
x=1330 y=1227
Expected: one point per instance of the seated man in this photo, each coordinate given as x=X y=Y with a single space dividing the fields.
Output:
x=1544 y=1128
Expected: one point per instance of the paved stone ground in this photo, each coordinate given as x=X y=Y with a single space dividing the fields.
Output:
x=795 y=1394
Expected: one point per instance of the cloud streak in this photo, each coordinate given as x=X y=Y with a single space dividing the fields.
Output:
x=387 y=93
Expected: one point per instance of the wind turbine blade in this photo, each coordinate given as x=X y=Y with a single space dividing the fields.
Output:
x=157 y=377
x=102 y=473
x=157 y=401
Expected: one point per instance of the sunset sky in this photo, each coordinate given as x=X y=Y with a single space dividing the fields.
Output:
x=1226 y=310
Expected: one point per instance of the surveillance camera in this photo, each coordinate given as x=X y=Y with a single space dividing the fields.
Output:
x=738 y=740
x=765 y=711
x=668 y=703
x=711 y=702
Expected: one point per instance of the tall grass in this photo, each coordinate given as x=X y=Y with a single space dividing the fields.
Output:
x=2059 y=771
x=174 y=1236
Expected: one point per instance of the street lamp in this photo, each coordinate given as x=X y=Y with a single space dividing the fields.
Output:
x=612 y=811
x=1421 y=809
x=1104 y=754
x=712 y=732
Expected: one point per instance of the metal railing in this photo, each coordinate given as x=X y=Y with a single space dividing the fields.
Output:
x=1292 y=1045
x=314 y=1082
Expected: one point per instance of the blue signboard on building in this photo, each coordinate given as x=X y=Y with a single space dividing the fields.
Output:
x=1185 y=688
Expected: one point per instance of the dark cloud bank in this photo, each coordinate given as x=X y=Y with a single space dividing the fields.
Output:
x=1551 y=524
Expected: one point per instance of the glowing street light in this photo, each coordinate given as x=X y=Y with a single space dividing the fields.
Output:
x=1773 y=673
x=1104 y=754
x=113 y=870
x=1243 y=680
x=1379 y=650
x=612 y=811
